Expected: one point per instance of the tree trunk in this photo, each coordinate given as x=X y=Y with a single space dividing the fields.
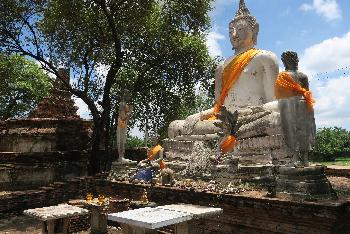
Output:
x=94 y=157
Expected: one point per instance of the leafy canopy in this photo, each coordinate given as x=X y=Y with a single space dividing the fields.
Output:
x=22 y=85
x=331 y=143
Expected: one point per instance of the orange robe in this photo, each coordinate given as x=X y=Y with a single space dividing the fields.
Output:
x=230 y=76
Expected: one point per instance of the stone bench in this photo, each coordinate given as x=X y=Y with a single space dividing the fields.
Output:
x=147 y=220
x=55 y=219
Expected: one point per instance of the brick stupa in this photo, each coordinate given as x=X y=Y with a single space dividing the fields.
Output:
x=59 y=103
x=50 y=145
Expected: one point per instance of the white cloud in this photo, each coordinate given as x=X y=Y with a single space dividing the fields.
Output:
x=332 y=88
x=212 y=43
x=332 y=101
x=328 y=55
x=83 y=110
x=329 y=9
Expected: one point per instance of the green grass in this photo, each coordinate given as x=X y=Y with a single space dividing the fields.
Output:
x=344 y=161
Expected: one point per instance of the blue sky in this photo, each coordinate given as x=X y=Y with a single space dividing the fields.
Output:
x=317 y=29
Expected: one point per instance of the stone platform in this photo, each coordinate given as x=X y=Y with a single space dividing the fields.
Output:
x=122 y=171
x=303 y=183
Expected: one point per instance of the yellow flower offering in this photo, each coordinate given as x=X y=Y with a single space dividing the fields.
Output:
x=101 y=200
x=89 y=197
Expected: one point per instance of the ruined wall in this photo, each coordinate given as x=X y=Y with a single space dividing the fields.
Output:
x=20 y=171
x=241 y=214
x=44 y=135
x=245 y=214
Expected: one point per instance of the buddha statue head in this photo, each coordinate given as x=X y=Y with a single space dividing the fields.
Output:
x=125 y=96
x=243 y=29
x=290 y=60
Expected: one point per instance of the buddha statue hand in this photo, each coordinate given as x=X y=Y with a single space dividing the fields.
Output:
x=229 y=122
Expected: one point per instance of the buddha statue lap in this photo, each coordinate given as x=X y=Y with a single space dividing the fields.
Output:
x=244 y=83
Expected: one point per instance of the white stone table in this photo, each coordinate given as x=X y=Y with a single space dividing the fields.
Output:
x=50 y=214
x=146 y=220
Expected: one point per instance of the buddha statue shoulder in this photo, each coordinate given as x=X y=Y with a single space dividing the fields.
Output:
x=245 y=82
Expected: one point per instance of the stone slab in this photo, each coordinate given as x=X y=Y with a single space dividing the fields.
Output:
x=150 y=218
x=55 y=212
x=195 y=210
x=153 y=218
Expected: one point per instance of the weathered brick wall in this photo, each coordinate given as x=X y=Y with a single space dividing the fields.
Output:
x=241 y=214
x=43 y=135
x=341 y=172
x=244 y=214
x=20 y=171
x=52 y=194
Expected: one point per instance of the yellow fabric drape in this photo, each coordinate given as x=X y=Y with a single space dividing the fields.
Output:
x=123 y=120
x=230 y=75
x=153 y=152
x=228 y=144
x=287 y=87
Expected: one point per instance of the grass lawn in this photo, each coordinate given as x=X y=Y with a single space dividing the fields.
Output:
x=338 y=162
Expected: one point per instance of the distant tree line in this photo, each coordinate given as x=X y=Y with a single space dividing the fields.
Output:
x=331 y=143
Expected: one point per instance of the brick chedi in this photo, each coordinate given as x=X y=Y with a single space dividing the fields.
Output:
x=58 y=104
x=50 y=145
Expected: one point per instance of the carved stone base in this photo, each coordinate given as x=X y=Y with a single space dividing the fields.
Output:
x=303 y=183
x=122 y=170
x=251 y=161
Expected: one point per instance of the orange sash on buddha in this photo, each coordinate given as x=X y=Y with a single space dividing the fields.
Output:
x=230 y=75
x=153 y=152
x=287 y=87
x=162 y=165
x=123 y=120
x=228 y=144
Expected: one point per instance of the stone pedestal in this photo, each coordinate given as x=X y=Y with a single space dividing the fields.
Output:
x=303 y=183
x=122 y=170
x=98 y=221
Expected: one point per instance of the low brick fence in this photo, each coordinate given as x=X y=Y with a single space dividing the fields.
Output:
x=241 y=214
x=340 y=172
x=53 y=194
x=245 y=214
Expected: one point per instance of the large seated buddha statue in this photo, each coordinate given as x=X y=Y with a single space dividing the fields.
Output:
x=244 y=83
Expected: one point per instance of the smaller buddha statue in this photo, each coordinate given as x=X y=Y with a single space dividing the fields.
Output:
x=296 y=109
x=123 y=116
x=154 y=156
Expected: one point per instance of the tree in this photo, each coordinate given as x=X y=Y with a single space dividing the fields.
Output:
x=331 y=143
x=166 y=62
x=22 y=85
x=118 y=35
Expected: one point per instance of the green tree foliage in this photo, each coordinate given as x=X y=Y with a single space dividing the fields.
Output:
x=22 y=85
x=134 y=142
x=166 y=59
x=154 y=48
x=331 y=143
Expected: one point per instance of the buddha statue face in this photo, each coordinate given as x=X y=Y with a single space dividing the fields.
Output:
x=242 y=35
